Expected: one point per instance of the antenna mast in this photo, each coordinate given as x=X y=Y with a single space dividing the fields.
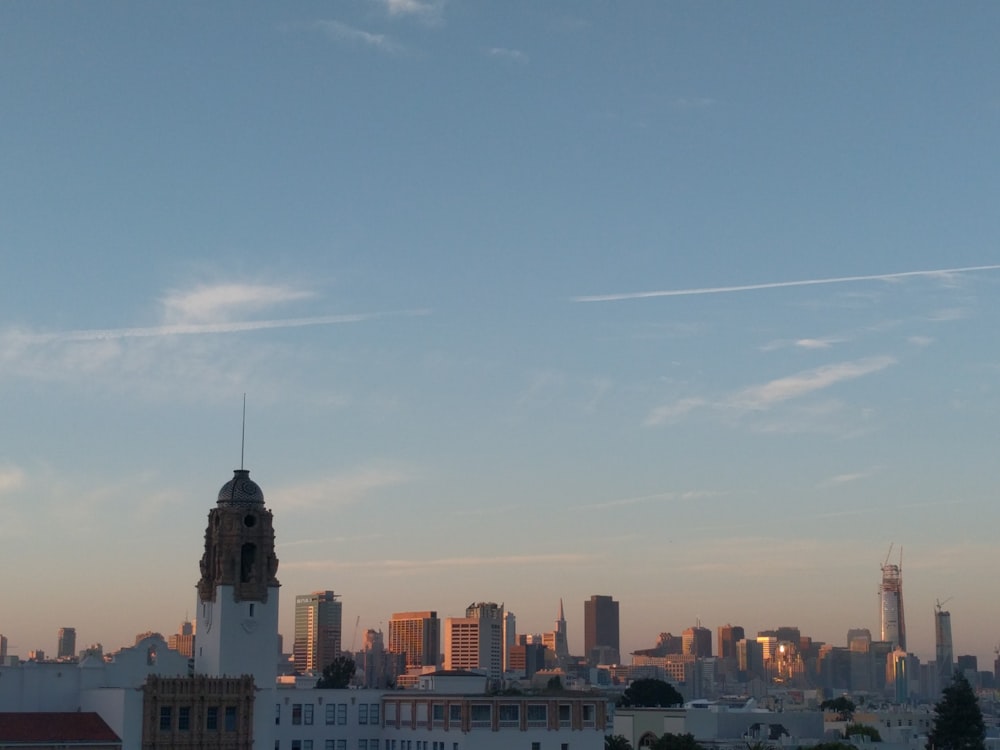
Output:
x=243 y=435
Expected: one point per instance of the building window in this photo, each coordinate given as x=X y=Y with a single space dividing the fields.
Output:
x=307 y=745
x=362 y=744
x=455 y=713
x=363 y=714
x=437 y=712
x=373 y=714
x=537 y=713
x=166 y=719
x=480 y=713
x=509 y=714
x=296 y=744
x=564 y=746
x=212 y=718
x=564 y=713
x=341 y=744
x=329 y=745
x=372 y=744
x=331 y=715
x=184 y=718
x=230 y=718
x=277 y=745
x=536 y=746
x=277 y=714
x=589 y=712
x=342 y=714
x=307 y=713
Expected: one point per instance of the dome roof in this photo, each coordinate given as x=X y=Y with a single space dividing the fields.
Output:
x=241 y=490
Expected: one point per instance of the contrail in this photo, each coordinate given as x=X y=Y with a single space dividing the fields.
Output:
x=195 y=328
x=777 y=284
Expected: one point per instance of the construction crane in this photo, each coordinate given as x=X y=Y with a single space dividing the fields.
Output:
x=354 y=638
x=938 y=603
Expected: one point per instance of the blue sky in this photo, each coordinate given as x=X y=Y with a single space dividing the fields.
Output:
x=422 y=237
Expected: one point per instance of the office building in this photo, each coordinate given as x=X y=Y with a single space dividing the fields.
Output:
x=891 y=599
x=67 y=643
x=600 y=630
x=728 y=636
x=556 y=641
x=318 y=631
x=697 y=641
x=476 y=642
x=417 y=635
x=183 y=640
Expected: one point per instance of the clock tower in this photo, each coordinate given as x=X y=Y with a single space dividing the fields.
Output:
x=237 y=631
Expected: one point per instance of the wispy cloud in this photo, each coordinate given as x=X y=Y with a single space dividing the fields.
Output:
x=220 y=301
x=338 y=491
x=762 y=396
x=920 y=340
x=11 y=478
x=825 y=342
x=765 y=395
x=342 y=32
x=672 y=412
x=685 y=496
x=448 y=563
x=841 y=479
x=942 y=273
x=104 y=334
x=427 y=10
x=504 y=53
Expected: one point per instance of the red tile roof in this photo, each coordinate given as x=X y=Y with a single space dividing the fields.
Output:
x=55 y=727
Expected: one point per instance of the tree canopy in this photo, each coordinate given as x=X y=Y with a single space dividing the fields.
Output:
x=650 y=693
x=958 y=721
x=864 y=730
x=843 y=705
x=616 y=742
x=337 y=674
x=676 y=742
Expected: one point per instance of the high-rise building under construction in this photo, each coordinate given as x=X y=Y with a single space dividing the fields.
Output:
x=891 y=600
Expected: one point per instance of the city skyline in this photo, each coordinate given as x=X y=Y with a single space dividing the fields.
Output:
x=689 y=304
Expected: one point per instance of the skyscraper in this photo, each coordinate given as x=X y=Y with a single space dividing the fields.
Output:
x=891 y=594
x=237 y=608
x=728 y=636
x=557 y=640
x=183 y=640
x=600 y=630
x=318 y=631
x=944 y=651
x=418 y=635
x=476 y=641
x=67 y=643
x=697 y=641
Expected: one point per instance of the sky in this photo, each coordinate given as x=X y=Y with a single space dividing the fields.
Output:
x=689 y=303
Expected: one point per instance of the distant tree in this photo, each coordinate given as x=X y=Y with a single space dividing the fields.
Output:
x=337 y=674
x=958 y=721
x=864 y=730
x=676 y=742
x=616 y=742
x=650 y=693
x=832 y=746
x=554 y=684
x=843 y=705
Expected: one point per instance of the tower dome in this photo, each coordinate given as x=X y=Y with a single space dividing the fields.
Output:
x=241 y=491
